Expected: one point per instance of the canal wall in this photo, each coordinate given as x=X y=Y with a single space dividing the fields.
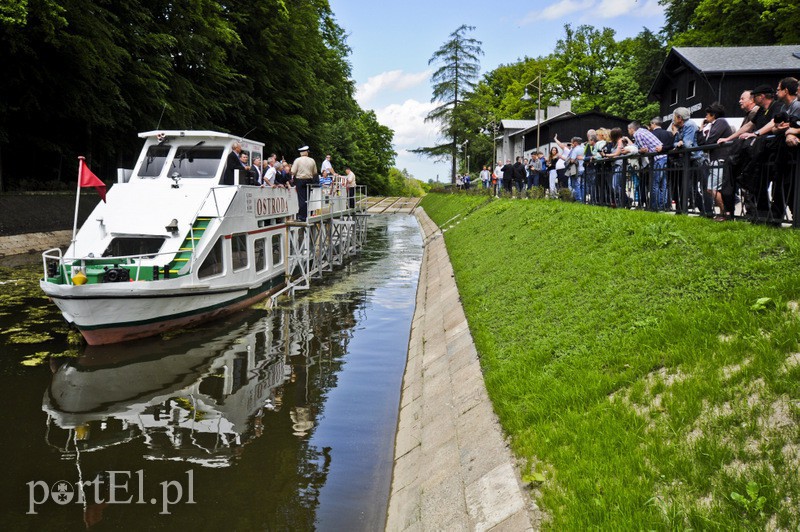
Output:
x=452 y=467
x=35 y=222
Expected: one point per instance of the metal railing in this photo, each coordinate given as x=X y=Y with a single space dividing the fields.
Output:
x=66 y=264
x=752 y=179
x=335 y=198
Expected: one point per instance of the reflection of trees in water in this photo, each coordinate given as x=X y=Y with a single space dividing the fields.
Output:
x=266 y=377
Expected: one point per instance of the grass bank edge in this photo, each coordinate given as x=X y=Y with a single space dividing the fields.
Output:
x=629 y=359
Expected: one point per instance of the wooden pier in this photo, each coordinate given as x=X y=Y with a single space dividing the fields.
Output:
x=392 y=205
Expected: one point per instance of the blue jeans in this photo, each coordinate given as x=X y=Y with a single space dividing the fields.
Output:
x=577 y=188
x=617 y=186
x=658 y=190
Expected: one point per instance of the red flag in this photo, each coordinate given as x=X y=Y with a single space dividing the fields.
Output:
x=87 y=179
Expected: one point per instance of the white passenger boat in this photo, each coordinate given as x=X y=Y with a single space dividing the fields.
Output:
x=172 y=246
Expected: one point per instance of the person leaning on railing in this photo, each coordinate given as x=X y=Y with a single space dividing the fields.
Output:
x=686 y=137
x=715 y=128
x=735 y=159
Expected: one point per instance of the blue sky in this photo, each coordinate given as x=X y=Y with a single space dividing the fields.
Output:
x=392 y=42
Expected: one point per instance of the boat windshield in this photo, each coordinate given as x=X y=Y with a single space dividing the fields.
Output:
x=197 y=161
x=133 y=245
x=154 y=161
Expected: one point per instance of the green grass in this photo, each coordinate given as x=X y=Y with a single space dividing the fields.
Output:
x=629 y=358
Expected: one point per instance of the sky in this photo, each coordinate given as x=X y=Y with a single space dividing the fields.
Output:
x=392 y=41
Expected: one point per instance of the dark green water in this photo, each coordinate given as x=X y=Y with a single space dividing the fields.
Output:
x=281 y=419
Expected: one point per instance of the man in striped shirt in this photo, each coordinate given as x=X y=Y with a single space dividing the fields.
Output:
x=649 y=143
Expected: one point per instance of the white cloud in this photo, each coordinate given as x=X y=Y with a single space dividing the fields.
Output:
x=393 y=80
x=557 y=11
x=602 y=9
x=635 y=8
x=407 y=119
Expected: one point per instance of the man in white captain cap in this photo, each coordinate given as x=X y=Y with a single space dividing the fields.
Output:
x=304 y=168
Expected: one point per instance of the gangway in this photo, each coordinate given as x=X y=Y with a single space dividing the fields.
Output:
x=335 y=230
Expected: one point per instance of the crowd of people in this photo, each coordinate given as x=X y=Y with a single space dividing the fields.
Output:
x=709 y=168
x=301 y=174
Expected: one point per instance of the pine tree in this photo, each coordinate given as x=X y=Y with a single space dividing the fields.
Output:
x=456 y=76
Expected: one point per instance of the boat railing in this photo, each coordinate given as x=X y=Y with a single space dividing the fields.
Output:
x=335 y=198
x=212 y=192
x=65 y=264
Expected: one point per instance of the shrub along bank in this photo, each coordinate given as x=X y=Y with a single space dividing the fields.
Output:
x=645 y=366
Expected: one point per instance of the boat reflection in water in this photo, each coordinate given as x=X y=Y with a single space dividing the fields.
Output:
x=198 y=398
x=202 y=398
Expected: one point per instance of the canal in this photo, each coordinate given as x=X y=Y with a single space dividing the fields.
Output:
x=269 y=419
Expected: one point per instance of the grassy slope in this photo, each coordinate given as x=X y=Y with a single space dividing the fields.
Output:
x=624 y=357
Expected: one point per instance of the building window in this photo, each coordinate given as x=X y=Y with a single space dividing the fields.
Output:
x=260 y=249
x=277 y=250
x=673 y=97
x=212 y=265
x=691 y=89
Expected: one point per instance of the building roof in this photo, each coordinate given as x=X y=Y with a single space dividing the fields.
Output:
x=741 y=58
x=517 y=124
x=567 y=115
x=728 y=59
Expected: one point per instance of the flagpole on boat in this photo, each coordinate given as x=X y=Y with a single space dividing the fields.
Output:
x=77 y=203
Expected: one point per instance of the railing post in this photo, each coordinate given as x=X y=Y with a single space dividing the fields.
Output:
x=795 y=186
x=686 y=180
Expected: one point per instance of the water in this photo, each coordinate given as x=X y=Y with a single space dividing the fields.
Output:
x=267 y=420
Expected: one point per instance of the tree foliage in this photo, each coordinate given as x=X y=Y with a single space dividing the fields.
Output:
x=731 y=22
x=455 y=76
x=84 y=76
x=581 y=63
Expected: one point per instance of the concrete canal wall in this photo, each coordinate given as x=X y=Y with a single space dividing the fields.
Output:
x=452 y=467
x=35 y=222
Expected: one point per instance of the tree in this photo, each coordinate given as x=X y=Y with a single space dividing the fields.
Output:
x=452 y=80
x=581 y=63
x=627 y=86
x=83 y=76
x=731 y=22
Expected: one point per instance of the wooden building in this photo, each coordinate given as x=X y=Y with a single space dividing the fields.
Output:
x=566 y=126
x=695 y=77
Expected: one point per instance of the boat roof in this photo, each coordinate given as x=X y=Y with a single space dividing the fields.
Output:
x=195 y=133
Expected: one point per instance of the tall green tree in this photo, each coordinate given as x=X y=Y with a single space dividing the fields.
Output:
x=731 y=22
x=627 y=86
x=581 y=63
x=83 y=76
x=456 y=75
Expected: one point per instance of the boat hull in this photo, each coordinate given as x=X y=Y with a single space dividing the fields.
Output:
x=124 y=317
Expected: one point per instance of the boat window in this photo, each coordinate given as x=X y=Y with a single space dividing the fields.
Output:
x=154 y=161
x=197 y=161
x=126 y=246
x=261 y=254
x=239 y=251
x=213 y=263
x=277 y=250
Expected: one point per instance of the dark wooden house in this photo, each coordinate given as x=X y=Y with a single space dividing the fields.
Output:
x=696 y=77
x=566 y=126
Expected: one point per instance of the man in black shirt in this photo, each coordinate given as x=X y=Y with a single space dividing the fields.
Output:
x=754 y=177
x=518 y=171
x=508 y=175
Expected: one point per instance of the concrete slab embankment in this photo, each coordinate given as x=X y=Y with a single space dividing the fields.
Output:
x=33 y=242
x=452 y=467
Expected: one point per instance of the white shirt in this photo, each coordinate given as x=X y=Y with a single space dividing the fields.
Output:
x=326 y=165
x=269 y=177
x=498 y=171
